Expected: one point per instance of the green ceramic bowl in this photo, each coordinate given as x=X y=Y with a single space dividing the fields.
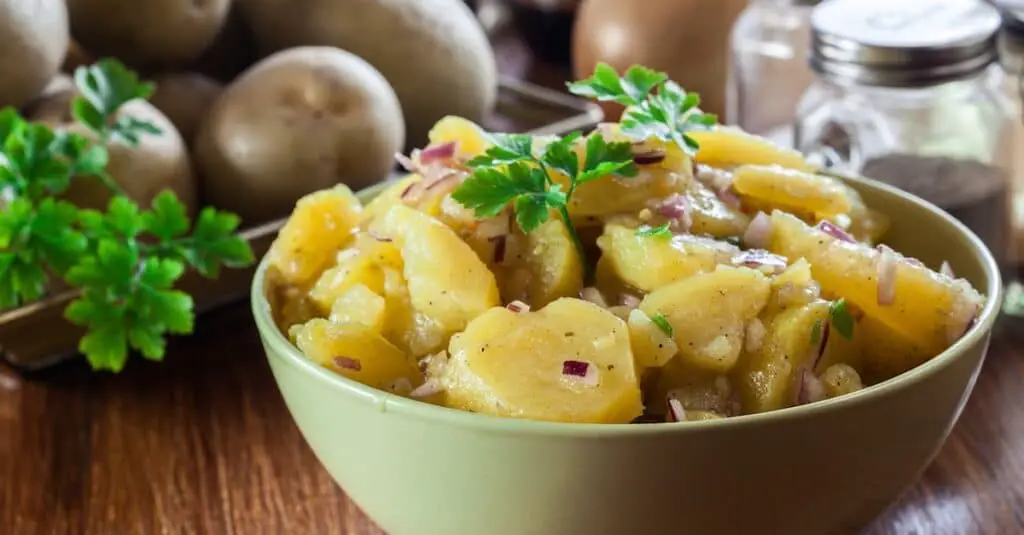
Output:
x=828 y=467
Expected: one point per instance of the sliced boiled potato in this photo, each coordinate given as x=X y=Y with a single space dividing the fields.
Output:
x=359 y=304
x=469 y=138
x=652 y=347
x=649 y=262
x=359 y=353
x=321 y=224
x=765 y=378
x=543 y=267
x=711 y=215
x=791 y=190
x=696 y=389
x=411 y=330
x=447 y=281
x=392 y=195
x=930 y=310
x=886 y=352
x=351 y=270
x=709 y=313
x=615 y=195
x=568 y=362
x=726 y=146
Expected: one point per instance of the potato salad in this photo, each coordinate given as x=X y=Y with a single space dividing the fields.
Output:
x=661 y=268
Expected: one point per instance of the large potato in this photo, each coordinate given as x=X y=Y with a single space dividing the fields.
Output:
x=301 y=120
x=433 y=52
x=150 y=32
x=185 y=98
x=709 y=314
x=515 y=364
x=158 y=162
x=34 y=34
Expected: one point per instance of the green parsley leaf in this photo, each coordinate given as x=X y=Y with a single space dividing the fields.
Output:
x=123 y=217
x=662 y=322
x=53 y=235
x=24 y=280
x=108 y=84
x=841 y=318
x=559 y=155
x=505 y=149
x=489 y=189
x=214 y=243
x=605 y=84
x=639 y=81
x=605 y=159
x=167 y=219
x=661 y=231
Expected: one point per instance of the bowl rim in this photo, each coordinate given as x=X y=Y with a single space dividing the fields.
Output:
x=277 y=343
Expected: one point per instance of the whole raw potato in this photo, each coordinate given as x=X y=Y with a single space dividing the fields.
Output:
x=33 y=40
x=147 y=32
x=433 y=52
x=301 y=120
x=185 y=98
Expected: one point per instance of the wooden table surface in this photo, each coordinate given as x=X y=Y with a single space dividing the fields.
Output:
x=202 y=443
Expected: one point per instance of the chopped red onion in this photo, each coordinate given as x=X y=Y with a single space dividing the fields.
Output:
x=810 y=389
x=758 y=258
x=427 y=389
x=436 y=153
x=913 y=261
x=348 y=363
x=888 y=263
x=676 y=411
x=730 y=197
x=379 y=238
x=405 y=162
x=819 y=351
x=677 y=208
x=648 y=157
x=518 y=307
x=584 y=371
x=629 y=301
x=946 y=270
x=833 y=230
x=407 y=192
x=759 y=232
x=493 y=227
x=594 y=296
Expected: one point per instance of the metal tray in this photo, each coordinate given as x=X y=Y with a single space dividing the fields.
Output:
x=36 y=335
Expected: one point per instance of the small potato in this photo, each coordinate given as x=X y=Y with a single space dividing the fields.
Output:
x=709 y=313
x=320 y=226
x=185 y=98
x=359 y=353
x=567 y=362
x=299 y=121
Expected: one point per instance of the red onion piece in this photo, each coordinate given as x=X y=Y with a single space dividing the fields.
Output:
x=730 y=198
x=405 y=162
x=757 y=258
x=677 y=208
x=379 y=238
x=676 y=411
x=886 y=273
x=407 y=192
x=648 y=157
x=427 y=389
x=819 y=351
x=810 y=388
x=594 y=296
x=348 y=363
x=914 y=261
x=518 y=307
x=437 y=153
x=759 y=232
x=629 y=301
x=947 y=270
x=581 y=370
x=833 y=230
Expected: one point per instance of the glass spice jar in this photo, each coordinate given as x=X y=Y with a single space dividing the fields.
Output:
x=1011 y=57
x=768 y=71
x=908 y=93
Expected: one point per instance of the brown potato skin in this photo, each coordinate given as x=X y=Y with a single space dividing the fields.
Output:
x=149 y=32
x=301 y=120
x=434 y=53
x=33 y=41
x=185 y=98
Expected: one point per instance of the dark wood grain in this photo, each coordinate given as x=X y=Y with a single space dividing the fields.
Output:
x=203 y=444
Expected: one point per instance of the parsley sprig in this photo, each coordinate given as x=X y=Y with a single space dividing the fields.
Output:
x=512 y=171
x=125 y=261
x=666 y=114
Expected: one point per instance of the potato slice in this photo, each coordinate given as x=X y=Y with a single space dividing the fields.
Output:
x=469 y=137
x=361 y=305
x=321 y=224
x=765 y=378
x=392 y=195
x=698 y=390
x=711 y=215
x=709 y=313
x=652 y=347
x=447 y=282
x=545 y=266
x=353 y=269
x=512 y=364
x=791 y=190
x=359 y=353
x=930 y=310
x=886 y=352
x=726 y=146
x=409 y=329
x=650 y=262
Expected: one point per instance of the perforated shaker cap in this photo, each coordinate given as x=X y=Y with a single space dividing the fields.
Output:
x=902 y=43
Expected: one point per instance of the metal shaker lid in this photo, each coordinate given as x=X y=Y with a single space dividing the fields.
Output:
x=902 y=43
x=1011 y=39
